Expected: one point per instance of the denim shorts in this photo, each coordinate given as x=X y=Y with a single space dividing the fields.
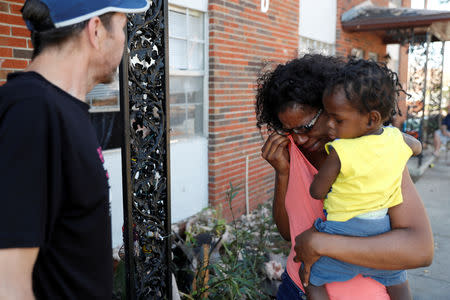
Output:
x=444 y=139
x=327 y=269
x=288 y=290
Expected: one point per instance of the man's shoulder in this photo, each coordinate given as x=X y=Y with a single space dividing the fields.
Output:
x=25 y=89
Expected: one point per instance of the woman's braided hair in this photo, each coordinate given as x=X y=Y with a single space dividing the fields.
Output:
x=299 y=81
x=368 y=85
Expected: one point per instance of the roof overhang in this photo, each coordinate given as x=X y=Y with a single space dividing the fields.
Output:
x=395 y=25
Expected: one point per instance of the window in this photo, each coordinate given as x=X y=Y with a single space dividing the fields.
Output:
x=393 y=57
x=104 y=113
x=395 y=3
x=307 y=45
x=187 y=48
x=373 y=56
x=357 y=53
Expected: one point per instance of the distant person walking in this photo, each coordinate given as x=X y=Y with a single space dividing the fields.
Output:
x=442 y=135
x=55 y=236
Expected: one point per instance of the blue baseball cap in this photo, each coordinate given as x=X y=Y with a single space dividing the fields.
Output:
x=69 y=12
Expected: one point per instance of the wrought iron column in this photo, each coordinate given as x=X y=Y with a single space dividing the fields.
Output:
x=145 y=155
x=425 y=70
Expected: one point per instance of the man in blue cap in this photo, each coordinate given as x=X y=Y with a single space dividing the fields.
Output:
x=55 y=231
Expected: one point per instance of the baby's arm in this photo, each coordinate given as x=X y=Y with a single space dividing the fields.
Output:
x=413 y=143
x=326 y=176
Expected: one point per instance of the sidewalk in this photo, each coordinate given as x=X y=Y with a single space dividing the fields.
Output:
x=433 y=185
x=428 y=159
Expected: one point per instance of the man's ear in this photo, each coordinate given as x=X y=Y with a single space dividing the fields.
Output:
x=94 y=30
x=374 y=119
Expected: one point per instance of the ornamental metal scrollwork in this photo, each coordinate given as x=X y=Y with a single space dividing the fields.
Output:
x=425 y=88
x=148 y=153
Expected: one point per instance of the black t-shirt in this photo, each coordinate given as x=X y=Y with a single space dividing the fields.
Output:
x=446 y=121
x=54 y=191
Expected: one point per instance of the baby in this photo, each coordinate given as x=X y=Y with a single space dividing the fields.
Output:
x=361 y=177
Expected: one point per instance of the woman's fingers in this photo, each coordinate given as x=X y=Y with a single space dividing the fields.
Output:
x=304 y=272
x=271 y=145
x=275 y=152
x=306 y=253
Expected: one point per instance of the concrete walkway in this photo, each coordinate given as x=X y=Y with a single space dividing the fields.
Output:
x=433 y=282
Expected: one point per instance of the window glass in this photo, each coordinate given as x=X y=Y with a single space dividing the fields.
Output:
x=177 y=26
x=104 y=113
x=187 y=72
x=195 y=56
x=196 y=25
x=178 y=54
x=194 y=89
x=186 y=109
x=373 y=56
x=395 y=3
x=105 y=96
x=177 y=95
x=357 y=53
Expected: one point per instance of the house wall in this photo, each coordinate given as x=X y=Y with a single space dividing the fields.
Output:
x=241 y=38
x=367 y=41
x=15 y=42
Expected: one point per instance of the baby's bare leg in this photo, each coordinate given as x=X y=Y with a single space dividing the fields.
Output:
x=400 y=291
x=316 y=292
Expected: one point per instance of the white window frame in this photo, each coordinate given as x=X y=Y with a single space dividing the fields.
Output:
x=192 y=73
x=357 y=53
x=308 y=45
x=110 y=108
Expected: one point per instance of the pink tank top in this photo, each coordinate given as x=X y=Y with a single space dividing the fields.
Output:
x=302 y=210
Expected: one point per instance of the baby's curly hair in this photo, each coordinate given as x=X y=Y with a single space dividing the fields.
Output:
x=299 y=81
x=368 y=85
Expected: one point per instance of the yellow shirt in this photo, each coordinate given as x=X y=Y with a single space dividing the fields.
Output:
x=370 y=176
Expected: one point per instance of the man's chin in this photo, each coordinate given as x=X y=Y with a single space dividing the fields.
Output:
x=109 y=78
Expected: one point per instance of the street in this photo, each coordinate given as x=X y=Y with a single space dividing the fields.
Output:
x=433 y=282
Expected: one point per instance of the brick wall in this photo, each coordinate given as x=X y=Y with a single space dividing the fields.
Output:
x=367 y=41
x=241 y=37
x=15 y=43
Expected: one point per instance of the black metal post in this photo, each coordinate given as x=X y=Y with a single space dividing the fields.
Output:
x=145 y=155
x=442 y=82
x=126 y=180
x=425 y=69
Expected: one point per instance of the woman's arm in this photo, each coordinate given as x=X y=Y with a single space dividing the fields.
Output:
x=408 y=245
x=276 y=153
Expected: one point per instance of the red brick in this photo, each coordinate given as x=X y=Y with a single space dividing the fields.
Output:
x=14 y=64
x=4 y=7
x=5 y=52
x=11 y=19
x=17 y=1
x=4 y=73
x=5 y=30
x=20 y=31
x=15 y=9
x=14 y=42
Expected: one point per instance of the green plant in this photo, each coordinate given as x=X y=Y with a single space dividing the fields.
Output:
x=237 y=274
